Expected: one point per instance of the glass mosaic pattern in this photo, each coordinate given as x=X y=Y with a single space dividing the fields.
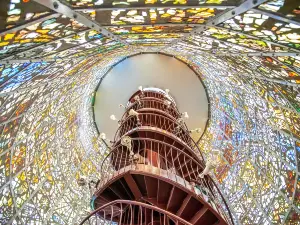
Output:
x=151 y=16
x=290 y=9
x=48 y=136
x=19 y=12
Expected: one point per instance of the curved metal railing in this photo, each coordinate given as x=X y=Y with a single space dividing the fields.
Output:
x=131 y=213
x=154 y=120
x=175 y=164
x=169 y=156
x=162 y=144
x=158 y=121
x=160 y=98
x=161 y=105
x=149 y=93
x=153 y=103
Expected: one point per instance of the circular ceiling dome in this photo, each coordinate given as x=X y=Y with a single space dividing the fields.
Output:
x=155 y=71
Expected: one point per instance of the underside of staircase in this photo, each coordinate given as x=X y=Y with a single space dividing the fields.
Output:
x=161 y=192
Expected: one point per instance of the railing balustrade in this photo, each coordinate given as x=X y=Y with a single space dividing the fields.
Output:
x=173 y=163
x=162 y=122
x=154 y=120
x=154 y=140
x=152 y=103
x=128 y=212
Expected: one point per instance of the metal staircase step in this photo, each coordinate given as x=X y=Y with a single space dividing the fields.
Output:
x=151 y=185
x=133 y=186
x=176 y=198
x=198 y=215
x=183 y=205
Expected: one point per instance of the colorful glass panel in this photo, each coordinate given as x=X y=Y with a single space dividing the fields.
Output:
x=18 y=12
x=36 y=34
x=246 y=115
x=150 y=29
x=269 y=29
x=74 y=40
x=151 y=16
x=290 y=9
x=243 y=40
x=48 y=138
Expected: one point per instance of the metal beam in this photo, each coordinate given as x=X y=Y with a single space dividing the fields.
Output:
x=158 y=7
x=276 y=16
x=259 y=54
x=11 y=61
x=16 y=28
x=83 y=19
x=156 y=24
x=245 y=6
x=141 y=33
x=271 y=54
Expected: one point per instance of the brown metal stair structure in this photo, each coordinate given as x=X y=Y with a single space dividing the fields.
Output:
x=162 y=173
x=160 y=191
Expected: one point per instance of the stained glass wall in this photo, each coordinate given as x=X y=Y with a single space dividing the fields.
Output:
x=51 y=64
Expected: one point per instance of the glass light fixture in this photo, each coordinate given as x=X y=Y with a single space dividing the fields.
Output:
x=113 y=117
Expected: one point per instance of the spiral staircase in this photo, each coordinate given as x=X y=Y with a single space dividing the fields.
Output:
x=154 y=172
